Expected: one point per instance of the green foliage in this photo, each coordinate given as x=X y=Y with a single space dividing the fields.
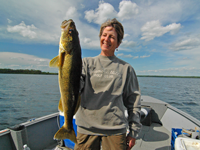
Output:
x=24 y=71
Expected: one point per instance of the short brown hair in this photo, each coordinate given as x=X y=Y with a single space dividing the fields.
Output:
x=118 y=28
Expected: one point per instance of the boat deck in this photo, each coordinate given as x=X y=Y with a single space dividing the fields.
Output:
x=154 y=137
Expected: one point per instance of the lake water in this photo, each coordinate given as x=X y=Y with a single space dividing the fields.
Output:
x=23 y=97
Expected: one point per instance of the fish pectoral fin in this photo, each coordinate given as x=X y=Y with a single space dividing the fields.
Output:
x=54 y=62
x=60 y=107
x=63 y=133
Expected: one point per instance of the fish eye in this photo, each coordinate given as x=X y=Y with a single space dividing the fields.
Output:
x=70 y=30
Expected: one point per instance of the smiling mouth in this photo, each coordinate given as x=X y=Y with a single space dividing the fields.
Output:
x=106 y=44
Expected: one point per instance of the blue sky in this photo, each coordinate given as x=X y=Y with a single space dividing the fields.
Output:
x=161 y=37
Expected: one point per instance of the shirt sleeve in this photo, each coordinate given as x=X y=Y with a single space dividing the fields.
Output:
x=132 y=102
x=83 y=74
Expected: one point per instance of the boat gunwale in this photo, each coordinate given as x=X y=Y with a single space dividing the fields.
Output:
x=40 y=119
x=31 y=122
x=184 y=114
x=4 y=132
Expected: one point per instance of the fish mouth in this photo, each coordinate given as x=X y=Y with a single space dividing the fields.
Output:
x=68 y=25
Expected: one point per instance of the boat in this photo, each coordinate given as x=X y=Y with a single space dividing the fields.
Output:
x=159 y=125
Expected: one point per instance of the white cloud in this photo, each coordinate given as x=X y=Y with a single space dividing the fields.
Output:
x=101 y=14
x=145 y=56
x=128 y=56
x=166 y=11
x=72 y=13
x=135 y=57
x=23 y=29
x=125 y=56
x=87 y=40
x=121 y=54
x=126 y=35
x=31 y=34
x=186 y=44
x=186 y=71
x=46 y=15
x=90 y=43
x=186 y=51
x=191 y=55
x=9 y=21
x=127 y=10
x=154 y=29
x=129 y=44
x=24 y=61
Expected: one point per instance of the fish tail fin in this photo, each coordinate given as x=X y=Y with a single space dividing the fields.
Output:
x=63 y=133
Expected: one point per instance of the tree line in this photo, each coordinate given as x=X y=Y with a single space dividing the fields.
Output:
x=24 y=71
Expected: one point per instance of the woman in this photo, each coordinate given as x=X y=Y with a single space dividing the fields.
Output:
x=109 y=87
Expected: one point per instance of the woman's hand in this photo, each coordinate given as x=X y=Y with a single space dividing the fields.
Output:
x=130 y=142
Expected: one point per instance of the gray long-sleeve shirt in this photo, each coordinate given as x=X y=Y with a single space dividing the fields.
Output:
x=109 y=86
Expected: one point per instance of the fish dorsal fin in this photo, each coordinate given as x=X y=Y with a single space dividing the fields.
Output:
x=54 y=62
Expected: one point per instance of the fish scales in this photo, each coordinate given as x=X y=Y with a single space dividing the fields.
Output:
x=69 y=63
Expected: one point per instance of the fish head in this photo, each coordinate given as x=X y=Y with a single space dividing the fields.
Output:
x=69 y=36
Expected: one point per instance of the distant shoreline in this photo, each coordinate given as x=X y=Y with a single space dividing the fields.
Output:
x=163 y=76
x=25 y=71
x=32 y=71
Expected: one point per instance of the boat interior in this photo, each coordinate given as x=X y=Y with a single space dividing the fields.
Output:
x=157 y=128
x=155 y=133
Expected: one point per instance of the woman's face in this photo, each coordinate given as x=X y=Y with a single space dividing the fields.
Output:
x=108 y=41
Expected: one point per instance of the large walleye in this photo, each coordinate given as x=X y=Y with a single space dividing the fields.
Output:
x=69 y=63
